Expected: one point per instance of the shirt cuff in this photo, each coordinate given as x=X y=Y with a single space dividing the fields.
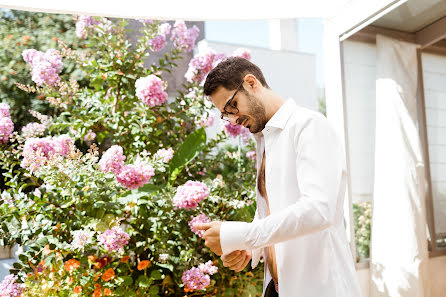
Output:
x=233 y=236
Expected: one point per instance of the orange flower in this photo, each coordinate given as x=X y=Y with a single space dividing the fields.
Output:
x=97 y=286
x=77 y=290
x=107 y=292
x=143 y=264
x=25 y=37
x=72 y=264
x=10 y=36
x=108 y=274
x=92 y=258
x=125 y=259
x=97 y=276
x=70 y=280
x=97 y=293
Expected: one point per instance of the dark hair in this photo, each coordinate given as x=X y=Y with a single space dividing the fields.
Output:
x=229 y=74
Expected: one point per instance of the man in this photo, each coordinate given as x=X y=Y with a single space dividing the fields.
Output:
x=301 y=181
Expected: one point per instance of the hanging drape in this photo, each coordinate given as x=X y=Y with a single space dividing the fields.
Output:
x=399 y=254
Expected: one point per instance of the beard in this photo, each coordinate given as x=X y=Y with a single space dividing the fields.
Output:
x=257 y=114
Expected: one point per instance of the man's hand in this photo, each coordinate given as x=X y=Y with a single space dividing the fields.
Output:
x=236 y=260
x=211 y=235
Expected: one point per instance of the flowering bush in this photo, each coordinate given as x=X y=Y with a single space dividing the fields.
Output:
x=362 y=213
x=104 y=194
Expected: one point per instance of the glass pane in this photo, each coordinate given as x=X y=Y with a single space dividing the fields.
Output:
x=434 y=73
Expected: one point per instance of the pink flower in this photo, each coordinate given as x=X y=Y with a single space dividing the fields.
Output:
x=202 y=64
x=81 y=238
x=36 y=152
x=4 y=110
x=164 y=29
x=206 y=121
x=6 y=129
x=158 y=42
x=201 y=218
x=45 y=67
x=251 y=155
x=243 y=53
x=44 y=73
x=165 y=154
x=90 y=136
x=63 y=144
x=190 y=194
x=208 y=267
x=150 y=90
x=235 y=130
x=33 y=130
x=182 y=37
x=145 y=21
x=85 y=22
x=135 y=176
x=29 y=55
x=9 y=287
x=112 y=160
x=114 y=239
x=194 y=279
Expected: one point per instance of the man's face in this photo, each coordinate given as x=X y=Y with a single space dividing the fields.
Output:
x=251 y=111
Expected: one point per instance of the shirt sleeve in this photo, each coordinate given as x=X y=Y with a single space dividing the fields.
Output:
x=319 y=166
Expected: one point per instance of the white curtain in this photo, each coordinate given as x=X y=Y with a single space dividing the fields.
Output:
x=399 y=254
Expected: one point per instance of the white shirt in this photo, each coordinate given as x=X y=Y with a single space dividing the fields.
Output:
x=305 y=178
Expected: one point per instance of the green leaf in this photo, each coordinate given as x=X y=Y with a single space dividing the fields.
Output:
x=154 y=290
x=187 y=151
x=143 y=281
x=127 y=280
x=155 y=274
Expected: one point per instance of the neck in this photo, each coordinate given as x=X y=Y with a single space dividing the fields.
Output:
x=272 y=103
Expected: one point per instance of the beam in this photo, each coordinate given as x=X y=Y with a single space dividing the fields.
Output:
x=432 y=33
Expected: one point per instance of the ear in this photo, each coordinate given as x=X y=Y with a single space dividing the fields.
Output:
x=252 y=81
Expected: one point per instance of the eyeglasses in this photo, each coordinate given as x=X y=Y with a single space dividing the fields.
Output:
x=230 y=107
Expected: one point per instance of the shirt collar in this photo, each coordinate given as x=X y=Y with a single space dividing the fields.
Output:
x=279 y=119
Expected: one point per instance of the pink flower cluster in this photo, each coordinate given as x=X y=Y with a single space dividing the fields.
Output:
x=112 y=160
x=202 y=64
x=9 y=287
x=45 y=67
x=150 y=90
x=206 y=121
x=37 y=151
x=135 y=176
x=184 y=38
x=190 y=194
x=243 y=53
x=165 y=154
x=33 y=130
x=81 y=238
x=208 y=267
x=201 y=218
x=251 y=155
x=194 y=279
x=159 y=41
x=4 y=110
x=114 y=239
x=85 y=22
x=235 y=130
x=90 y=136
x=6 y=124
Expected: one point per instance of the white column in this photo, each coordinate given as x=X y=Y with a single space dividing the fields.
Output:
x=283 y=35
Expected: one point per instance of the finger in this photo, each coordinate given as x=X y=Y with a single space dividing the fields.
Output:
x=248 y=258
x=238 y=263
x=203 y=226
x=231 y=256
x=237 y=259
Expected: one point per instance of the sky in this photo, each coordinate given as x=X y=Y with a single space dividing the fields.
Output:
x=256 y=33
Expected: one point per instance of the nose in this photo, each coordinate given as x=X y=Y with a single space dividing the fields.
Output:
x=233 y=119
